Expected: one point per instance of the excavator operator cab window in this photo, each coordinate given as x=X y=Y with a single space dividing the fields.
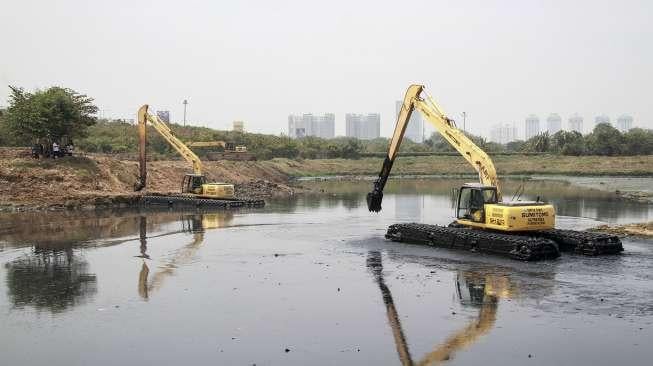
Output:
x=193 y=184
x=472 y=200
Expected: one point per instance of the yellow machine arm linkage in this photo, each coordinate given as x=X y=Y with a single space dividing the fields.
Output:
x=166 y=133
x=447 y=129
x=208 y=144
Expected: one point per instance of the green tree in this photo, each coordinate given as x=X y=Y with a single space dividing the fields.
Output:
x=515 y=146
x=51 y=113
x=4 y=133
x=605 y=140
x=438 y=144
x=539 y=143
x=638 y=141
x=568 y=143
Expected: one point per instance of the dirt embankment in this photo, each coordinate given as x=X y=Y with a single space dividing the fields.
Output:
x=643 y=229
x=85 y=182
x=103 y=180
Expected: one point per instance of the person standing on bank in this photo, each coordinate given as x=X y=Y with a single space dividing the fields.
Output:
x=55 y=150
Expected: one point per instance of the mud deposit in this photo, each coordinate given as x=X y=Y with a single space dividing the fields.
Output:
x=310 y=280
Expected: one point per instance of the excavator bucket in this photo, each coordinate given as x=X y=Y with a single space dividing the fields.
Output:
x=374 y=199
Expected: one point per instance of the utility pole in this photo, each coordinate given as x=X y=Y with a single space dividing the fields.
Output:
x=185 y=103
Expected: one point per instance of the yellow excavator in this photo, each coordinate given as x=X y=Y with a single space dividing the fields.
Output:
x=193 y=184
x=480 y=205
x=230 y=151
x=229 y=146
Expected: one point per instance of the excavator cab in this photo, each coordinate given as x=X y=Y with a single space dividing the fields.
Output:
x=479 y=206
x=192 y=183
x=472 y=198
x=196 y=184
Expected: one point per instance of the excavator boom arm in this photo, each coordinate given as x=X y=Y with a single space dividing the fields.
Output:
x=207 y=144
x=447 y=129
x=474 y=155
x=166 y=133
x=375 y=197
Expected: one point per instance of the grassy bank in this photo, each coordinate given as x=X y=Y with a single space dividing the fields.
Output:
x=455 y=165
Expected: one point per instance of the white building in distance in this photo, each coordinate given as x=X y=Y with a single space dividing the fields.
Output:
x=239 y=126
x=415 y=128
x=364 y=127
x=575 y=123
x=553 y=123
x=309 y=125
x=503 y=133
x=624 y=123
x=532 y=127
x=601 y=119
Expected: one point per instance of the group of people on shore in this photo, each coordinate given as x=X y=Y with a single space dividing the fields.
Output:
x=52 y=151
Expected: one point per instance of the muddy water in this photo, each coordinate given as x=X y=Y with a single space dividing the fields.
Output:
x=312 y=281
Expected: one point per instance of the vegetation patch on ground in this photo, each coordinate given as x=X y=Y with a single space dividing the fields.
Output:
x=456 y=166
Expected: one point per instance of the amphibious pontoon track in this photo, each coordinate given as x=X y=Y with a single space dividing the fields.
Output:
x=170 y=200
x=514 y=246
x=524 y=246
x=583 y=242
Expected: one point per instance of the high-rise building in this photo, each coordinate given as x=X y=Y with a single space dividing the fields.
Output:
x=553 y=123
x=415 y=128
x=532 y=126
x=296 y=128
x=602 y=118
x=364 y=127
x=309 y=125
x=239 y=126
x=624 y=123
x=164 y=116
x=576 y=123
x=503 y=133
x=327 y=124
x=353 y=125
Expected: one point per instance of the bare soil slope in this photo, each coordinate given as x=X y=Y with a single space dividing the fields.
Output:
x=642 y=229
x=97 y=181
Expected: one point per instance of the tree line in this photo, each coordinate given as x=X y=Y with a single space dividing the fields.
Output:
x=57 y=113
x=45 y=116
x=121 y=137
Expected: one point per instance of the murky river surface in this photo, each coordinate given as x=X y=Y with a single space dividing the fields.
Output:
x=312 y=281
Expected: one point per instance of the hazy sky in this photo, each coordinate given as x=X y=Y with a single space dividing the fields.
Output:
x=258 y=61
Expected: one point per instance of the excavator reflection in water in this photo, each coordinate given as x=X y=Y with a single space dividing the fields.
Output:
x=474 y=288
x=194 y=223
